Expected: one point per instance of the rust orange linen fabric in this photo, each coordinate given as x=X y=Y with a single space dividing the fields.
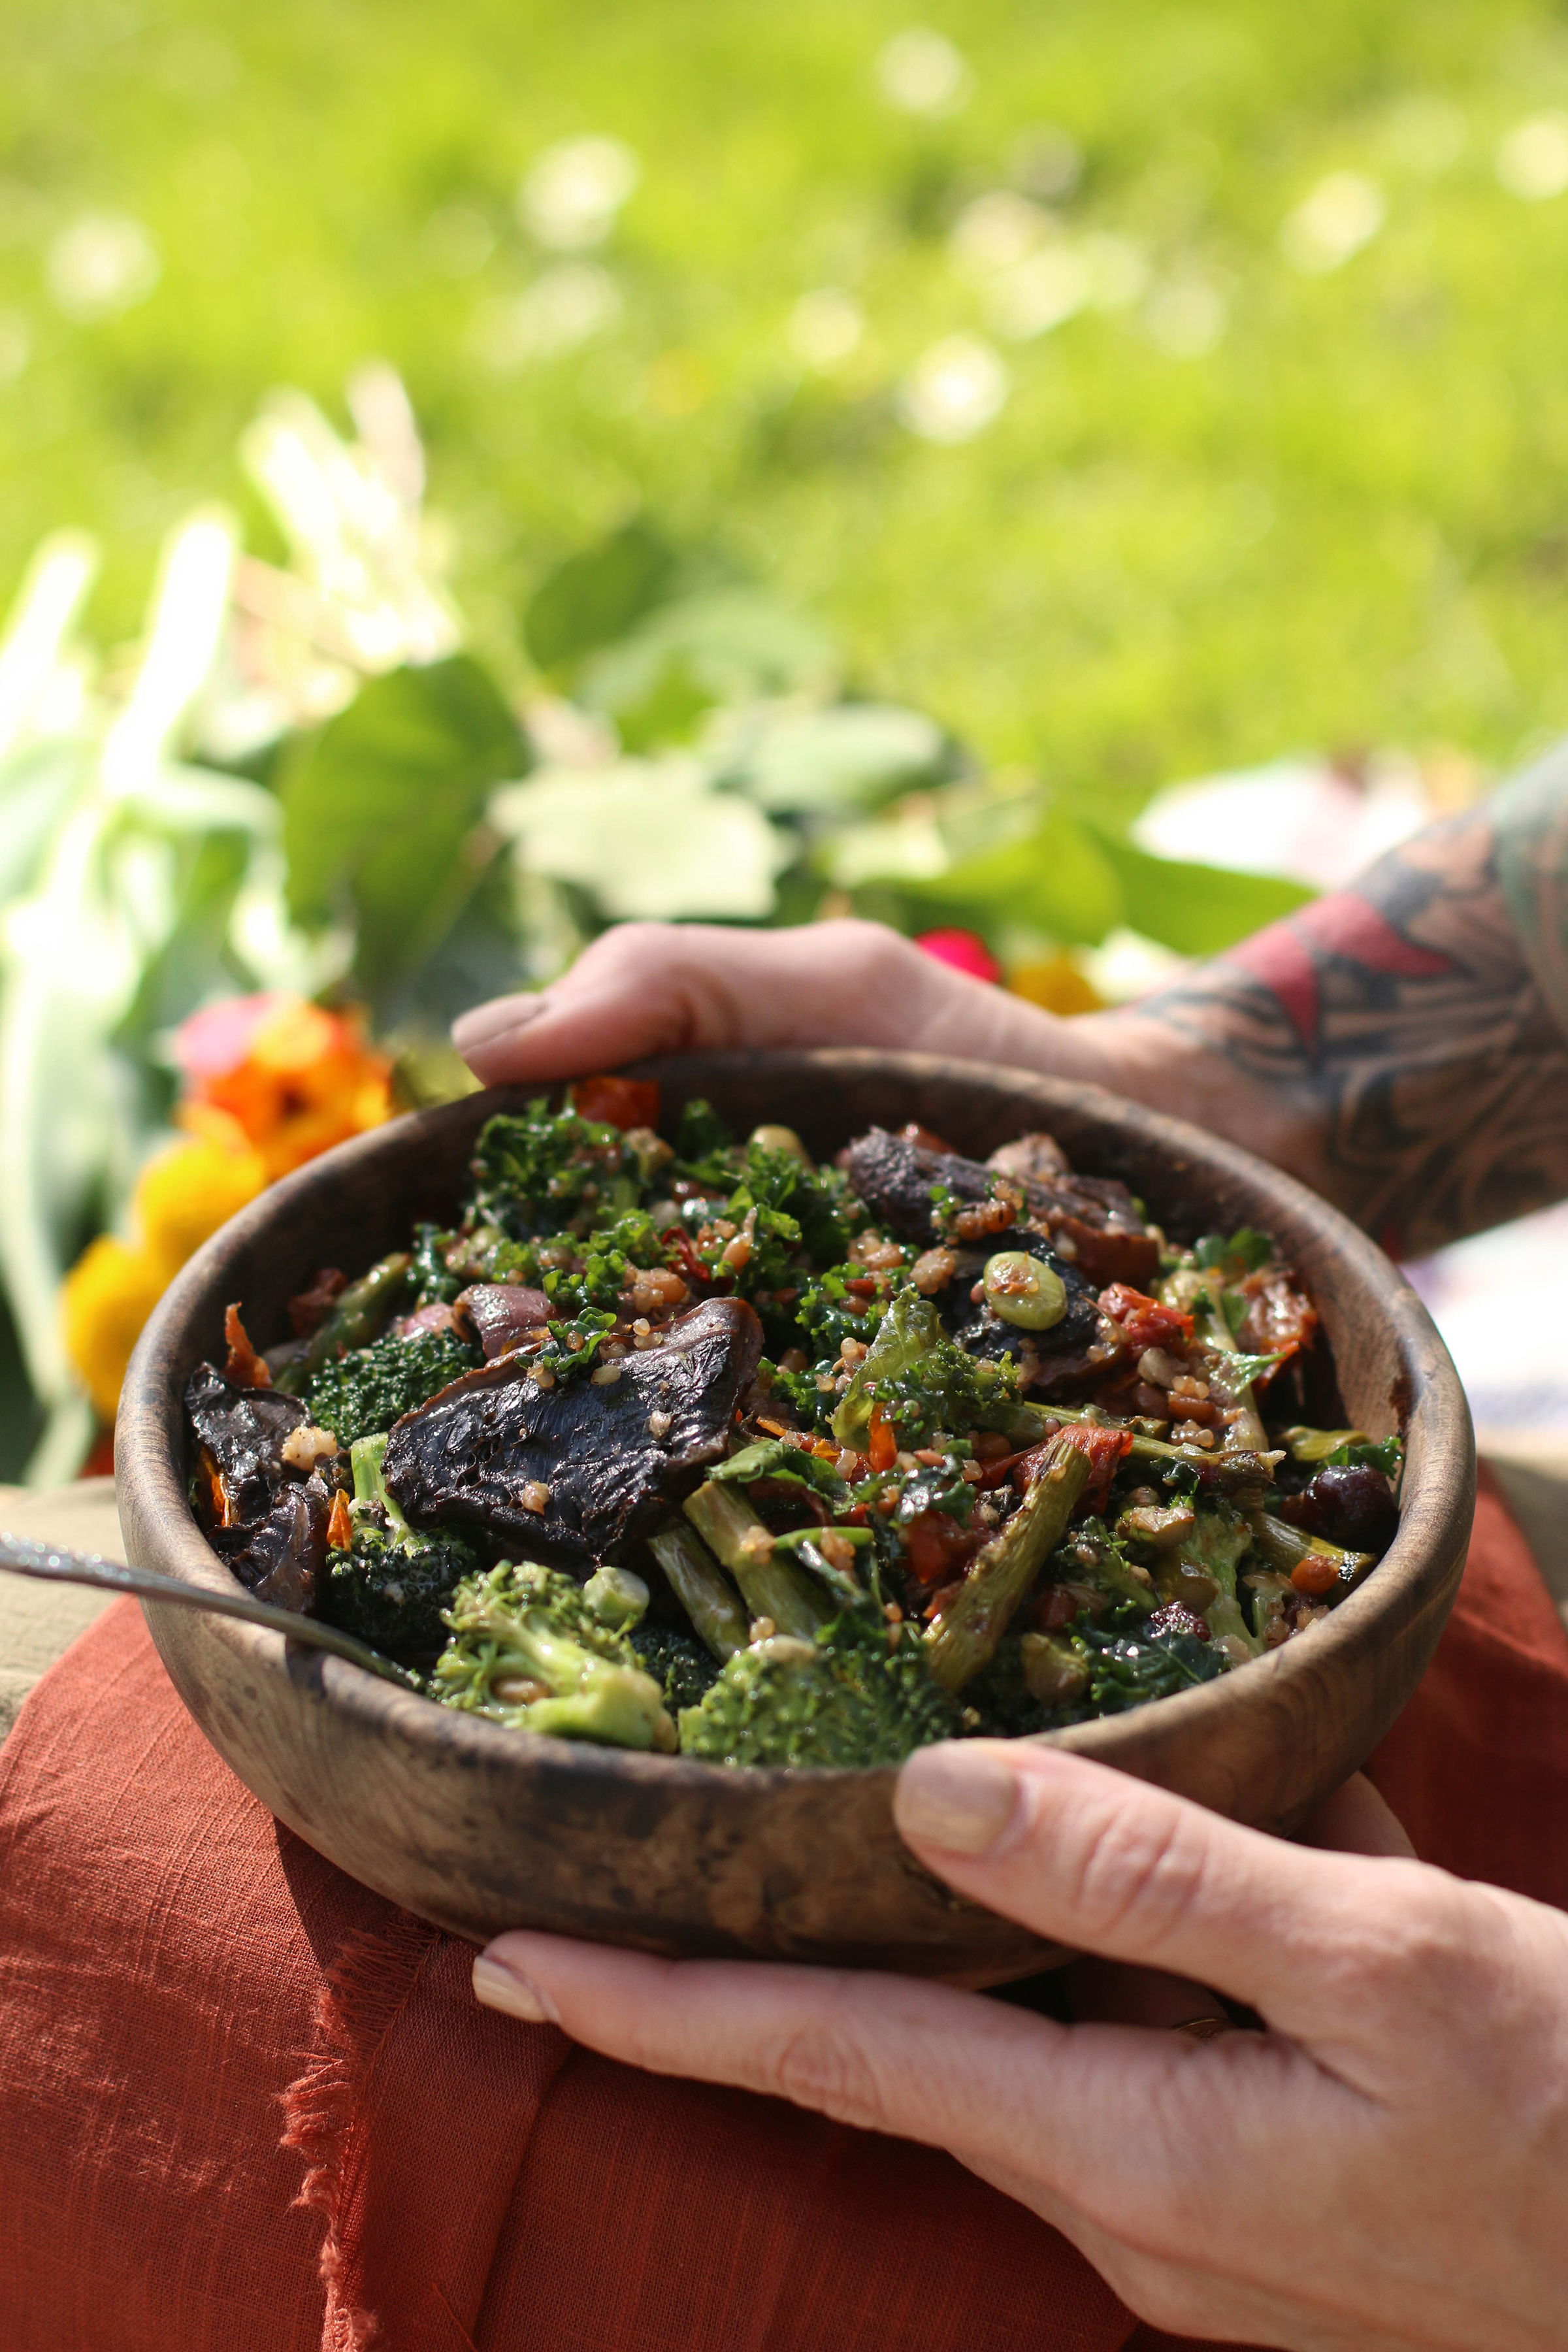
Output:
x=247 y=2106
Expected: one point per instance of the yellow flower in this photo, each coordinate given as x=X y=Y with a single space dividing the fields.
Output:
x=189 y=1190
x=106 y=1298
x=1056 y=984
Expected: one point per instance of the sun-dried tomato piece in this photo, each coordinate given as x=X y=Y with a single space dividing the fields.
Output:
x=937 y=1545
x=1104 y=1447
x=245 y=1369
x=309 y=1310
x=882 y=1445
x=617 y=1102
x=678 y=1243
x=1278 y=1315
x=1142 y=1321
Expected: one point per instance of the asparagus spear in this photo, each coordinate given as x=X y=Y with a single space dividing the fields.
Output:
x=361 y=1313
x=699 y=1585
x=1226 y=1470
x=771 y=1584
x=963 y=1638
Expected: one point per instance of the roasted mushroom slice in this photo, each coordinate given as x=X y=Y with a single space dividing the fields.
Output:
x=575 y=1472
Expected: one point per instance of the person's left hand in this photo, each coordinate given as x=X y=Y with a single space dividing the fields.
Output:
x=1387 y=2165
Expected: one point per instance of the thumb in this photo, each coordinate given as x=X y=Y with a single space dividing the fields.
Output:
x=1089 y=1857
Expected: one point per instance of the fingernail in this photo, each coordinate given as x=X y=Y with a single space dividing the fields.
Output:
x=500 y=1986
x=960 y=1799
x=498 y=1018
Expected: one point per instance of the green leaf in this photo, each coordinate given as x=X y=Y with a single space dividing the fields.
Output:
x=650 y=838
x=1057 y=879
x=595 y=597
x=852 y=755
x=1240 y=1372
x=730 y=644
x=1198 y=910
x=379 y=807
x=1245 y=1248
x=770 y=1457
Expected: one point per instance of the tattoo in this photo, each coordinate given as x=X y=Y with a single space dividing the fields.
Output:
x=1412 y=1033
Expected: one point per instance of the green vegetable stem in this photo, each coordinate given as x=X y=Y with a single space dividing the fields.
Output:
x=964 y=1635
x=360 y=1314
x=771 y=1584
x=699 y=1585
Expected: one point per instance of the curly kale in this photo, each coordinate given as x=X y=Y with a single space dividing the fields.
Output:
x=705 y=1149
x=529 y=1648
x=1129 y=1663
x=544 y=1170
x=393 y=1585
x=844 y=1700
x=924 y=1380
x=1102 y=1664
x=364 y=1393
x=682 y=1666
x=798 y=1207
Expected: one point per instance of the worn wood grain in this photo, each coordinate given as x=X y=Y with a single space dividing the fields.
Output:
x=479 y=1828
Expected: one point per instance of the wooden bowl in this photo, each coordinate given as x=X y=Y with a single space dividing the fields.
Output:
x=479 y=1828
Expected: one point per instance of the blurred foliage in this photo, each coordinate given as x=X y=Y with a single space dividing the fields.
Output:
x=379 y=808
x=1229 y=503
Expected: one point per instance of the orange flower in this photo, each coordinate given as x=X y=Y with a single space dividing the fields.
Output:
x=293 y=1079
x=270 y=1081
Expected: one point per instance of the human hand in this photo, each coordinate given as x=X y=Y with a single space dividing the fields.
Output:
x=664 y=987
x=1387 y=2164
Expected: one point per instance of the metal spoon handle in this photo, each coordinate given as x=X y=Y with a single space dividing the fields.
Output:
x=24 y=1557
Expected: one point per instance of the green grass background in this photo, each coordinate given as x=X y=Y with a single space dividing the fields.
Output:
x=1343 y=525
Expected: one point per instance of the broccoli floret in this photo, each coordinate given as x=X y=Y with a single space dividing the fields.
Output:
x=365 y=1391
x=529 y=1650
x=1000 y=1698
x=1219 y=1542
x=844 y=1699
x=682 y=1665
x=393 y=1585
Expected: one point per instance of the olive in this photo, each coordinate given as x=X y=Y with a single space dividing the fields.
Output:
x=1353 y=1506
x=781 y=1139
x=1025 y=1291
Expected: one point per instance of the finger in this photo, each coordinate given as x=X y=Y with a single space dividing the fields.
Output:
x=1088 y=1857
x=1102 y=2118
x=657 y=987
x=1357 y=1819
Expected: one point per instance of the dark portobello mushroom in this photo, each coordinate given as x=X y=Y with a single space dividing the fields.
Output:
x=575 y=1472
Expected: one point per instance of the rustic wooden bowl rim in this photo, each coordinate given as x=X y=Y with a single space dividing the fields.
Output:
x=151 y=1475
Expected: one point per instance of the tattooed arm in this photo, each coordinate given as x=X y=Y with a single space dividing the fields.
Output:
x=1402 y=1045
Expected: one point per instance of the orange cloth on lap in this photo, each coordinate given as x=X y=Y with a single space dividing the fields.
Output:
x=200 y=2020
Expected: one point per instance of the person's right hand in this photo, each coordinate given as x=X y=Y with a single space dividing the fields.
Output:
x=1384 y=2167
